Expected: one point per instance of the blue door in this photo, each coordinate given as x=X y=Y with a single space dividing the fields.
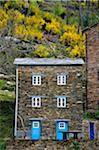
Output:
x=61 y=129
x=91 y=131
x=36 y=129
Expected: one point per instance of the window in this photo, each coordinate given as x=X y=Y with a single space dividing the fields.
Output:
x=62 y=125
x=61 y=80
x=36 y=102
x=61 y=102
x=35 y=124
x=36 y=80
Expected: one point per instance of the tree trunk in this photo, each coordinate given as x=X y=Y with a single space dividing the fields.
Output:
x=88 y=12
x=79 y=18
x=66 y=12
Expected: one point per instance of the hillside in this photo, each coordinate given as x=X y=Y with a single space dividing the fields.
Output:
x=43 y=29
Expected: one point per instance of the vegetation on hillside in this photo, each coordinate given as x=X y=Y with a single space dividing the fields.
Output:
x=45 y=28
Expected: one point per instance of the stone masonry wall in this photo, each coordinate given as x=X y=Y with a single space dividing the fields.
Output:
x=49 y=89
x=93 y=68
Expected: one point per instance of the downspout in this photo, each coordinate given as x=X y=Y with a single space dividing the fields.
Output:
x=16 y=105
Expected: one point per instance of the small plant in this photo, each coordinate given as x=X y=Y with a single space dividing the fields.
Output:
x=76 y=145
x=89 y=115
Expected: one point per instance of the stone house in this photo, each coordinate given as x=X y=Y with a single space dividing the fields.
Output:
x=92 y=67
x=49 y=97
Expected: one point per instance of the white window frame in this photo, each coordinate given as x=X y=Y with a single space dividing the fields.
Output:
x=60 y=102
x=36 y=123
x=61 y=79
x=63 y=127
x=36 y=80
x=36 y=101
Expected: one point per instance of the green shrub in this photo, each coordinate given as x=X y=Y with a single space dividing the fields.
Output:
x=59 y=9
x=2 y=144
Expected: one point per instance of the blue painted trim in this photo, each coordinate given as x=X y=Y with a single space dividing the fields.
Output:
x=36 y=96
x=39 y=96
x=62 y=74
x=16 y=66
x=36 y=119
x=33 y=74
x=61 y=96
x=62 y=120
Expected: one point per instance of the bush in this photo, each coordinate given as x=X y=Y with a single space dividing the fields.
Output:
x=42 y=51
x=59 y=9
x=3 y=19
x=54 y=26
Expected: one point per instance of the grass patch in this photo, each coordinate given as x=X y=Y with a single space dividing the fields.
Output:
x=2 y=144
x=2 y=84
x=7 y=85
x=6 y=95
x=6 y=122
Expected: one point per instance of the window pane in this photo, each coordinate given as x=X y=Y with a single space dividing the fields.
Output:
x=59 y=101
x=63 y=79
x=38 y=101
x=61 y=125
x=35 y=124
x=59 y=79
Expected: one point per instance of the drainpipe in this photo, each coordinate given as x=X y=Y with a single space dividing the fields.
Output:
x=16 y=105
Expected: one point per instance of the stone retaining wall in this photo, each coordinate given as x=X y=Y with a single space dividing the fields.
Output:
x=52 y=145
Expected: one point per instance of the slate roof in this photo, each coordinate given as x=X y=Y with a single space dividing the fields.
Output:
x=48 y=61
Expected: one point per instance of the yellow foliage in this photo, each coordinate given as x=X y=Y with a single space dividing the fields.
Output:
x=27 y=33
x=78 y=51
x=20 y=3
x=71 y=38
x=20 y=32
x=42 y=51
x=18 y=17
x=34 y=8
x=35 y=21
x=54 y=26
x=7 y=4
x=48 y=16
x=3 y=19
x=70 y=28
x=34 y=34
